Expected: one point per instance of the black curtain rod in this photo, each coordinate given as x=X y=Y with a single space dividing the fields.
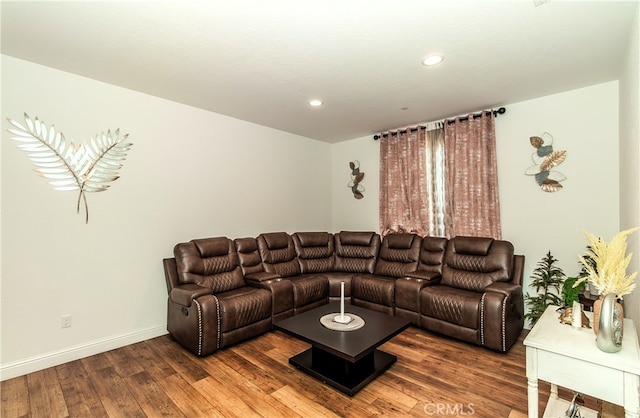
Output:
x=449 y=121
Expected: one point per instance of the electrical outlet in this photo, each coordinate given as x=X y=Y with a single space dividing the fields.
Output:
x=65 y=321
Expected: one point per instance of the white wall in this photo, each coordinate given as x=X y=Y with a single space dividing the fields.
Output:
x=630 y=159
x=190 y=174
x=583 y=122
x=349 y=213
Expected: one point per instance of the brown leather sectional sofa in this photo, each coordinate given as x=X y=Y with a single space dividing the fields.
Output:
x=224 y=291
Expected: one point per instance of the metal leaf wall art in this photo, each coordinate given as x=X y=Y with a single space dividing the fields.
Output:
x=544 y=160
x=86 y=168
x=356 y=178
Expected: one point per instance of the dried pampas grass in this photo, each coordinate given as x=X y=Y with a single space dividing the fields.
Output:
x=608 y=272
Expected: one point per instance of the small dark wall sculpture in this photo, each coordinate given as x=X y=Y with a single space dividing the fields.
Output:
x=544 y=159
x=356 y=178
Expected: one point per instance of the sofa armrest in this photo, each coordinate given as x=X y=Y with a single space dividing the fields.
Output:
x=506 y=288
x=281 y=292
x=184 y=294
x=170 y=273
x=431 y=277
x=259 y=277
x=502 y=315
x=518 y=269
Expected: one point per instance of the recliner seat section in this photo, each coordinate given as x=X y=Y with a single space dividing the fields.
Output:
x=316 y=255
x=281 y=290
x=279 y=256
x=398 y=255
x=210 y=305
x=356 y=253
x=428 y=273
x=222 y=292
x=474 y=301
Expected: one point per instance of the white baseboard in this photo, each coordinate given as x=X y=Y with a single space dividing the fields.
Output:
x=33 y=364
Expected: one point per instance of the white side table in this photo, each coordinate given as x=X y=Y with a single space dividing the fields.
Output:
x=566 y=356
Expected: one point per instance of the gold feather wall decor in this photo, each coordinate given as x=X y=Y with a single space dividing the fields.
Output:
x=544 y=159
x=88 y=167
x=552 y=160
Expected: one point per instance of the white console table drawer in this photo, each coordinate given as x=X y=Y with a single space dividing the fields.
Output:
x=587 y=378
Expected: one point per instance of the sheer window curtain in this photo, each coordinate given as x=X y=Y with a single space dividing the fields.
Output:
x=436 y=196
x=403 y=187
x=472 y=202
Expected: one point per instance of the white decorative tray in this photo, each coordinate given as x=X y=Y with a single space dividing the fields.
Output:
x=329 y=322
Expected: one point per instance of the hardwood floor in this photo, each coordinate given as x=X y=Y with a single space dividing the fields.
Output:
x=433 y=377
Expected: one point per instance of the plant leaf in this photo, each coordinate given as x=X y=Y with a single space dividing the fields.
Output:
x=551 y=186
x=536 y=141
x=541 y=177
x=553 y=159
x=544 y=150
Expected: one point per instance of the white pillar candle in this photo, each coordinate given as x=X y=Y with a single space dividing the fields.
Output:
x=577 y=315
x=342 y=300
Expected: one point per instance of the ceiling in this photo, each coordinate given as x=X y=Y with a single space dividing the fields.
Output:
x=263 y=60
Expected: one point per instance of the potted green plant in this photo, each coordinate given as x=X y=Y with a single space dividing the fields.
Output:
x=571 y=291
x=548 y=278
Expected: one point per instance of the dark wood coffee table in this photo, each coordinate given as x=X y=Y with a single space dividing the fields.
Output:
x=345 y=360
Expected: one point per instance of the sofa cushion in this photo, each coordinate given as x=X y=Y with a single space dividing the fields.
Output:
x=212 y=247
x=313 y=239
x=249 y=255
x=242 y=307
x=451 y=305
x=472 y=245
x=432 y=254
x=278 y=254
x=474 y=267
x=315 y=251
x=356 y=252
x=378 y=290
x=309 y=289
x=335 y=280
x=358 y=239
x=210 y=262
x=276 y=240
x=401 y=241
x=398 y=255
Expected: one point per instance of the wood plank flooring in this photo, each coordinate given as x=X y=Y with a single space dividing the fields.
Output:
x=433 y=377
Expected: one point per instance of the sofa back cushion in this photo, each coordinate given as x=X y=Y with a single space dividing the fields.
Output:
x=249 y=255
x=315 y=251
x=278 y=254
x=209 y=262
x=473 y=263
x=432 y=254
x=356 y=252
x=399 y=254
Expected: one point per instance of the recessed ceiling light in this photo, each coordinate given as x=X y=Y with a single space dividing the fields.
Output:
x=315 y=103
x=432 y=59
